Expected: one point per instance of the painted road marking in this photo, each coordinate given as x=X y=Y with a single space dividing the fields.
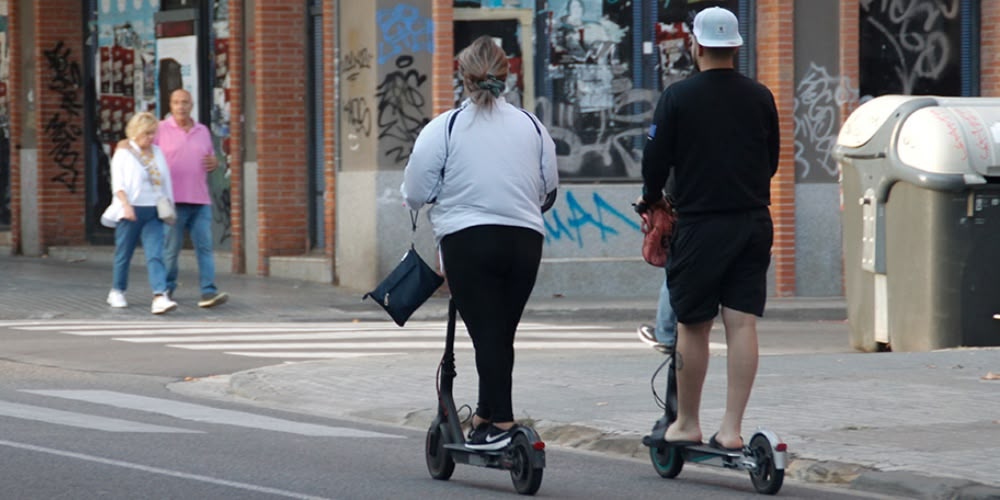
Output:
x=207 y=414
x=294 y=341
x=81 y=420
x=163 y=472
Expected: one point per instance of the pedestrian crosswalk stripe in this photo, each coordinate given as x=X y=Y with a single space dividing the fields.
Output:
x=312 y=354
x=81 y=420
x=397 y=345
x=328 y=340
x=352 y=335
x=104 y=330
x=207 y=414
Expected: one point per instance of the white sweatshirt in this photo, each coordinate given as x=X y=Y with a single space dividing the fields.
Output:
x=497 y=164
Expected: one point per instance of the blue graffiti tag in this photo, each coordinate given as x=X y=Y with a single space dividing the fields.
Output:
x=580 y=217
x=403 y=31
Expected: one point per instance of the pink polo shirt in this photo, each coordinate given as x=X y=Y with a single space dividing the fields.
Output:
x=184 y=152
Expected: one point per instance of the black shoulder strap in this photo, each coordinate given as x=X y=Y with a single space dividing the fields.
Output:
x=452 y=118
x=533 y=122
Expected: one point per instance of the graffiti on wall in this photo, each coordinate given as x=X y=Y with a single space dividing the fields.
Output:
x=818 y=100
x=357 y=111
x=356 y=64
x=595 y=114
x=403 y=31
x=910 y=47
x=401 y=95
x=65 y=79
x=578 y=221
x=598 y=96
x=401 y=114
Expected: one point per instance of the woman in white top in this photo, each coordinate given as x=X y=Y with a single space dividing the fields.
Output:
x=490 y=171
x=139 y=177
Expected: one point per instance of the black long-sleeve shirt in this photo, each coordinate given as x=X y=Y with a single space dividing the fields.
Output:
x=718 y=131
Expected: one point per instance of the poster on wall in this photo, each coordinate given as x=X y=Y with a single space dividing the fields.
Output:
x=125 y=65
x=177 y=68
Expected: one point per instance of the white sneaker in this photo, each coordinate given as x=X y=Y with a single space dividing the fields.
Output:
x=116 y=299
x=162 y=304
x=647 y=334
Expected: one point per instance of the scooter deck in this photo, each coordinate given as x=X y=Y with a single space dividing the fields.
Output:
x=462 y=448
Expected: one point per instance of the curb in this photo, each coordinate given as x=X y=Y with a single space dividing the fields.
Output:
x=240 y=386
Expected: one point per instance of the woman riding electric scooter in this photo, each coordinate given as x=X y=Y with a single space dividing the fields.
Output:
x=488 y=168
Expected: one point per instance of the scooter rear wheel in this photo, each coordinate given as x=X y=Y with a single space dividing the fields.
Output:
x=667 y=460
x=766 y=478
x=439 y=462
x=527 y=478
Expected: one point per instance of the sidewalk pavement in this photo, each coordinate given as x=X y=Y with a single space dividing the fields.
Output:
x=916 y=425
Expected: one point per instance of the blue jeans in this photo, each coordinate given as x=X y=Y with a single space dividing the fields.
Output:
x=666 y=320
x=149 y=228
x=196 y=220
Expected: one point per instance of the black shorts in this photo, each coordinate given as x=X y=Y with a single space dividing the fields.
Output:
x=719 y=259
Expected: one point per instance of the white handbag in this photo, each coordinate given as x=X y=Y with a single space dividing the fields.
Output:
x=112 y=214
x=165 y=210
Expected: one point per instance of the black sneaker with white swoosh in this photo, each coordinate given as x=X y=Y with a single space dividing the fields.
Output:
x=494 y=438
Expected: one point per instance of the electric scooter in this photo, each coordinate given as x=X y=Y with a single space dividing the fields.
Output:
x=445 y=446
x=764 y=457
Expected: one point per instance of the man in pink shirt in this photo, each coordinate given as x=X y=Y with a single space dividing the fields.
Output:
x=187 y=145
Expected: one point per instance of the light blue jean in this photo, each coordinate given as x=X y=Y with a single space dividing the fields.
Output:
x=149 y=228
x=197 y=221
x=666 y=320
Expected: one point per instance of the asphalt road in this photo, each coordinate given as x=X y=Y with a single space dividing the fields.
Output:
x=90 y=417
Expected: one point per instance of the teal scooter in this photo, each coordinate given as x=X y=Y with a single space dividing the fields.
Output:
x=764 y=456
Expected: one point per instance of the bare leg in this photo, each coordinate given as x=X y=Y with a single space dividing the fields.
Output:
x=741 y=368
x=692 y=364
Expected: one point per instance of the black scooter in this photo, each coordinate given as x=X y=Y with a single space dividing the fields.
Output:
x=764 y=457
x=524 y=457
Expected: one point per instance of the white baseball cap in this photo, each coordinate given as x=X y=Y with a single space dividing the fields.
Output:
x=717 y=27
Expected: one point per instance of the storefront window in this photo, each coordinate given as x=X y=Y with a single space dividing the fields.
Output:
x=919 y=48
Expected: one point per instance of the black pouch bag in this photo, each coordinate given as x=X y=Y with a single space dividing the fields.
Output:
x=408 y=286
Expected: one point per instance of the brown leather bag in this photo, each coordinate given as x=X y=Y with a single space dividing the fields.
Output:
x=657 y=225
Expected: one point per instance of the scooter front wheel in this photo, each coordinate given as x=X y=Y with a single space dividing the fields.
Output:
x=667 y=460
x=439 y=462
x=766 y=477
x=524 y=473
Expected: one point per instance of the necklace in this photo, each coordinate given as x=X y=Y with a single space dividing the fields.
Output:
x=146 y=159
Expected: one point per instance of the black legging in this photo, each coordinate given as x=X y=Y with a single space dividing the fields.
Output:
x=491 y=271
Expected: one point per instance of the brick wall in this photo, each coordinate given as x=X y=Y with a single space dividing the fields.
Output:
x=775 y=68
x=59 y=121
x=850 y=49
x=282 y=141
x=236 y=58
x=15 y=88
x=989 y=49
x=443 y=66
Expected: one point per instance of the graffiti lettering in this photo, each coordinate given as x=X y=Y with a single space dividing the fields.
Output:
x=355 y=61
x=65 y=80
x=818 y=99
x=579 y=217
x=403 y=31
x=401 y=109
x=914 y=29
x=359 y=116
